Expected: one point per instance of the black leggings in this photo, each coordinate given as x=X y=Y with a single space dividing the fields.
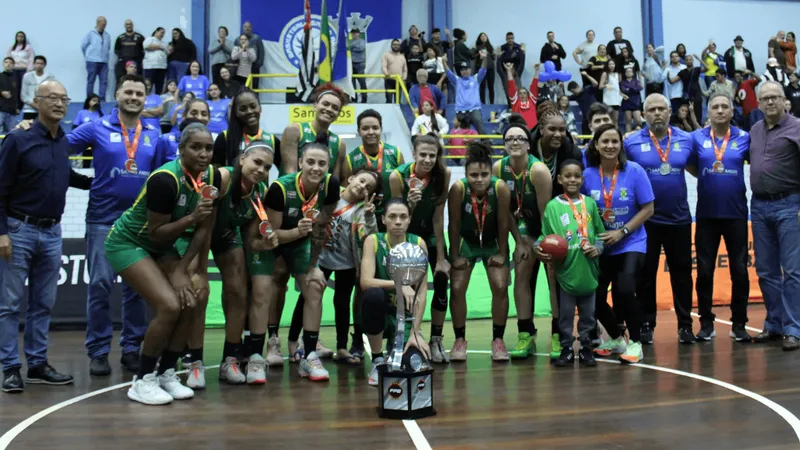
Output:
x=621 y=271
x=374 y=305
x=343 y=291
x=439 y=302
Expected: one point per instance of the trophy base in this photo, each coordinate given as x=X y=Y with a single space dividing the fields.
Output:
x=405 y=395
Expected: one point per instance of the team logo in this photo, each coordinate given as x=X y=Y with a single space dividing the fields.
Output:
x=645 y=147
x=291 y=194
x=256 y=258
x=395 y=391
x=676 y=146
x=182 y=200
x=147 y=141
x=292 y=39
x=733 y=145
x=623 y=193
x=569 y=235
x=707 y=144
x=421 y=384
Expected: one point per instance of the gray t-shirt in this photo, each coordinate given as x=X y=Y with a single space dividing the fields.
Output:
x=775 y=157
x=588 y=50
x=338 y=252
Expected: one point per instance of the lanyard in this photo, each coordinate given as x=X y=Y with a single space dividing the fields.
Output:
x=257 y=137
x=518 y=189
x=343 y=210
x=310 y=203
x=197 y=184
x=608 y=196
x=480 y=215
x=664 y=155
x=583 y=226
x=720 y=152
x=131 y=147
x=380 y=158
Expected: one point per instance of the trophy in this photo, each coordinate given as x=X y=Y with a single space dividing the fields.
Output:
x=405 y=385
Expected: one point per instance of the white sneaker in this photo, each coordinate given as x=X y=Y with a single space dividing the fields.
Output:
x=274 y=356
x=146 y=390
x=438 y=353
x=171 y=384
x=256 y=370
x=311 y=367
x=373 y=374
x=197 y=376
x=231 y=372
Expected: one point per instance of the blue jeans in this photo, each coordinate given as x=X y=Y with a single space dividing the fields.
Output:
x=7 y=122
x=776 y=232
x=93 y=70
x=99 y=330
x=36 y=256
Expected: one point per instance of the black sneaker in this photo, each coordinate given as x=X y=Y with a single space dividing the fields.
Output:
x=566 y=358
x=357 y=349
x=706 y=332
x=739 y=334
x=586 y=357
x=647 y=334
x=130 y=361
x=100 y=367
x=685 y=336
x=12 y=381
x=46 y=374
x=767 y=336
x=596 y=341
x=791 y=343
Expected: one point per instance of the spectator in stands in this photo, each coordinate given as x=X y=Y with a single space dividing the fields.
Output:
x=9 y=97
x=722 y=84
x=169 y=99
x=29 y=83
x=585 y=51
x=33 y=192
x=217 y=111
x=257 y=44
x=775 y=182
x=414 y=38
x=441 y=46
x=609 y=84
x=746 y=97
x=194 y=82
x=789 y=48
x=153 y=107
x=461 y=52
x=774 y=48
x=484 y=47
x=685 y=118
x=514 y=54
x=616 y=45
x=738 y=58
x=228 y=86
x=691 y=84
x=653 y=72
x=523 y=101
x=792 y=93
x=358 y=52
x=625 y=61
x=631 y=107
x=245 y=56
x=96 y=46
x=221 y=51
x=461 y=127
x=673 y=85
x=552 y=51
x=176 y=115
x=712 y=61
x=155 y=59
x=467 y=96
x=434 y=64
x=775 y=73
x=129 y=46
x=183 y=51
x=429 y=121
x=393 y=63
x=424 y=91
x=584 y=98
x=594 y=72
x=681 y=50
x=23 y=54
x=90 y=112
x=569 y=116
x=413 y=64
x=130 y=68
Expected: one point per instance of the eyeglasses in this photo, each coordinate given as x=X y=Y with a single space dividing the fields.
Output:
x=55 y=99
x=513 y=139
x=771 y=99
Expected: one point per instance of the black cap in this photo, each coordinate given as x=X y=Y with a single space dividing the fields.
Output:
x=463 y=65
x=738 y=38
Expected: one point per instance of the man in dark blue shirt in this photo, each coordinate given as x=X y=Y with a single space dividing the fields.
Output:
x=34 y=177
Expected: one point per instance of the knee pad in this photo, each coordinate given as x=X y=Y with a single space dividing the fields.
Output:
x=439 y=292
x=373 y=311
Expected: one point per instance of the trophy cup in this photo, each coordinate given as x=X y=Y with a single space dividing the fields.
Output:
x=405 y=380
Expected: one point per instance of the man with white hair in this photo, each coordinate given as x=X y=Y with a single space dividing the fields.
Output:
x=665 y=153
x=775 y=182
x=721 y=213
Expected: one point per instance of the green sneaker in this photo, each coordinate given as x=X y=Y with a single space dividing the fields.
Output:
x=610 y=346
x=525 y=346
x=555 y=351
x=633 y=354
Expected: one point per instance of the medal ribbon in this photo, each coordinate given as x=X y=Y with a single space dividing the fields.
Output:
x=517 y=191
x=198 y=183
x=310 y=203
x=480 y=216
x=340 y=212
x=261 y=212
x=380 y=157
x=414 y=175
x=583 y=226
x=131 y=147
x=608 y=196
x=720 y=152
x=257 y=137
x=664 y=155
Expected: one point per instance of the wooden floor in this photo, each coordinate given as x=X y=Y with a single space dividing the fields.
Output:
x=481 y=404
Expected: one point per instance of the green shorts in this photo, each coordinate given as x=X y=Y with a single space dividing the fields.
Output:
x=297 y=256
x=121 y=253
x=528 y=229
x=472 y=252
x=260 y=263
x=222 y=241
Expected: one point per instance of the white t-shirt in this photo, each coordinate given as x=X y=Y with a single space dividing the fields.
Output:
x=338 y=251
x=588 y=50
x=154 y=59
x=673 y=90
x=739 y=61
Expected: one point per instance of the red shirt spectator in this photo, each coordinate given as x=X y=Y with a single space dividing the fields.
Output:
x=525 y=107
x=746 y=95
x=425 y=94
x=460 y=127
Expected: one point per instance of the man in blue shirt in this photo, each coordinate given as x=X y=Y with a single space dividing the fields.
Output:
x=358 y=51
x=665 y=153
x=34 y=177
x=125 y=153
x=468 y=99
x=721 y=213
x=95 y=47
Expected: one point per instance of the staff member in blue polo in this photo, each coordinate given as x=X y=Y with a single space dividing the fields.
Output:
x=126 y=151
x=721 y=213
x=153 y=107
x=665 y=154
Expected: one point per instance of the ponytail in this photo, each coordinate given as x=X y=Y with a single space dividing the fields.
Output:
x=438 y=171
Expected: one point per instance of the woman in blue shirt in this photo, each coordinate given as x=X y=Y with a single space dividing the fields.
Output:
x=194 y=81
x=623 y=193
x=91 y=111
x=218 y=108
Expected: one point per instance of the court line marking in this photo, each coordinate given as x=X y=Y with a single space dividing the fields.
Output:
x=729 y=323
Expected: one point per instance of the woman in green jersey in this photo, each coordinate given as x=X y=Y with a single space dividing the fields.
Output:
x=327 y=102
x=300 y=207
x=424 y=182
x=379 y=298
x=478 y=229
x=140 y=247
x=529 y=182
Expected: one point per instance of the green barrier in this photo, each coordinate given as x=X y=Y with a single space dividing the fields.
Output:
x=479 y=299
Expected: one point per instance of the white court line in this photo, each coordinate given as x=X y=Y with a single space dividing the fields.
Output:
x=757 y=330
x=416 y=435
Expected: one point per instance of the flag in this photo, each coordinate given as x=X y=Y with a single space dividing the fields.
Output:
x=308 y=74
x=343 y=62
x=325 y=66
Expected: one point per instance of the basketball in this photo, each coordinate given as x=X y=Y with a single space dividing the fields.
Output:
x=555 y=246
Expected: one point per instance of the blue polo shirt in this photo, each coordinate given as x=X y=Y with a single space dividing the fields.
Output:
x=197 y=86
x=114 y=189
x=721 y=195
x=84 y=116
x=169 y=144
x=219 y=116
x=151 y=102
x=671 y=202
x=632 y=191
x=468 y=97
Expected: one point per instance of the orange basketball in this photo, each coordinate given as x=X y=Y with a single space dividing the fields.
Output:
x=555 y=246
